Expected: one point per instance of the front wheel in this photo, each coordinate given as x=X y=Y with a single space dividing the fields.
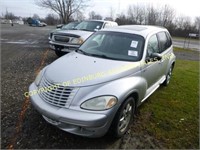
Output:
x=123 y=118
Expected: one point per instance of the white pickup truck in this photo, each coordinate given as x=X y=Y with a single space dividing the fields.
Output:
x=66 y=41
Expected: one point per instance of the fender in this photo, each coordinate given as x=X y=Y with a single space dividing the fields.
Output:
x=120 y=88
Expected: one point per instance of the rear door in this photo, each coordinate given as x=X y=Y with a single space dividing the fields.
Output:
x=165 y=49
x=150 y=68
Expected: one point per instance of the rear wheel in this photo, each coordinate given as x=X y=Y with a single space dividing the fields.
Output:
x=123 y=118
x=168 y=77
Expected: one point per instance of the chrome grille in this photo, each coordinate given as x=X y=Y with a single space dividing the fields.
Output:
x=60 y=96
x=61 y=38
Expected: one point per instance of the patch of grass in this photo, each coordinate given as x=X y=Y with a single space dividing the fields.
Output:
x=178 y=49
x=174 y=110
x=183 y=38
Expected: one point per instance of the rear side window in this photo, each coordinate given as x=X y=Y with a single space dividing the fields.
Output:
x=169 y=39
x=164 y=42
x=107 y=25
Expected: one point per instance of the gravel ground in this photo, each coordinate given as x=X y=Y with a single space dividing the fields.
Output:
x=22 y=127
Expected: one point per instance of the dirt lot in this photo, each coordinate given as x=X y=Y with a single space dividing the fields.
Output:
x=24 y=51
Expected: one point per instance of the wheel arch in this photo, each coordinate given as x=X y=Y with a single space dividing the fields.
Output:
x=135 y=96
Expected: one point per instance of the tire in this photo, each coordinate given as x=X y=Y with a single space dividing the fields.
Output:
x=169 y=74
x=123 y=118
x=59 y=53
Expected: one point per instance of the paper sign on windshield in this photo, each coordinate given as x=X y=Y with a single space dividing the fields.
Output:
x=134 y=44
x=133 y=53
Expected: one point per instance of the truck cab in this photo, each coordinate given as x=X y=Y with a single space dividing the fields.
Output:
x=66 y=41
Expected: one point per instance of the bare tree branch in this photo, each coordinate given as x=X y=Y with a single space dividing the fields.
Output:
x=64 y=8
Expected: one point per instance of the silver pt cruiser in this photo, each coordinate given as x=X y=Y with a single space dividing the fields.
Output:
x=99 y=86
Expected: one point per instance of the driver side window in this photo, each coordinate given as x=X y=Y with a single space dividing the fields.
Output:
x=152 y=46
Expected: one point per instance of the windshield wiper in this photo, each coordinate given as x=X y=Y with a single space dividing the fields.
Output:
x=104 y=56
x=85 y=30
x=81 y=51
x=100 y=55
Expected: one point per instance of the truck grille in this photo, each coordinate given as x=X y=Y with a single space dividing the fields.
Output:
x=61 y=38
x=60 y=96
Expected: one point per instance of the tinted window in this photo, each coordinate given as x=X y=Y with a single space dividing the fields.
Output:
x=89 y=25
x=152 y=46
x=70 y=26
x=169 y=39
x=163 y=41
x=114 y=45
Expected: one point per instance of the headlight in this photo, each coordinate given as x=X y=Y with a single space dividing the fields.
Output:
x=39 y=77
x=76 y=41
x=100 y=103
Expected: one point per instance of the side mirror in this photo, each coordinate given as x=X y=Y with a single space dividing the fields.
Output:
x=156 y=56
x=153 y=57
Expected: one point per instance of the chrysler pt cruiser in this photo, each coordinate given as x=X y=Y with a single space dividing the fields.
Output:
x=98 y=87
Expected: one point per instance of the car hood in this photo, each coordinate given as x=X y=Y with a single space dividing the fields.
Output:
x=55 y=30
x=76 y=69
x=83 y=34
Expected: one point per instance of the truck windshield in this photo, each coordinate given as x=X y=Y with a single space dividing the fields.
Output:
x=114 y=45
x=70 y=26
x=89 y=25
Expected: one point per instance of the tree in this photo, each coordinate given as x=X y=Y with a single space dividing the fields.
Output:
x=122 y=19
x=167 y=15
x=136 y=13
x=112 y=14
x=36 y=16
x=51 y=19
x=10 y=15
x=93 y=15
x=179 y=22
x=64 y=8
x=197 y=23
x=152 y=15
x=79 y=16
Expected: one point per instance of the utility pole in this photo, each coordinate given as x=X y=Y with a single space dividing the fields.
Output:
x=6 y=13
x=119 y=7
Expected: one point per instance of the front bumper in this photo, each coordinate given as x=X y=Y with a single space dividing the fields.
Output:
x=77 y=122
x=62 y=46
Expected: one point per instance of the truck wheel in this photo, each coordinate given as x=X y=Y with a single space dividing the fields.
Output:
x=123 y=118
x=168 y=77
x=59 y=53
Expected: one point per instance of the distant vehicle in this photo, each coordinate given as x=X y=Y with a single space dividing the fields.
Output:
x=65 y=41
x=36 y=23
x=98 y=87
x=69 y=26
x=59 y=26
x=42 y=24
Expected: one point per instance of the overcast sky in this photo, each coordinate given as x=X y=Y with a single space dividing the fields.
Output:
x=26 y=8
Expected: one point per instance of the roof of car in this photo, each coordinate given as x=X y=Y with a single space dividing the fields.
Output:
x=143 y=30
x=101 y=20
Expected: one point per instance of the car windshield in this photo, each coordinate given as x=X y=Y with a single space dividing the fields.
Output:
x=114 y=45
x=89 y=25
x=70 y=26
